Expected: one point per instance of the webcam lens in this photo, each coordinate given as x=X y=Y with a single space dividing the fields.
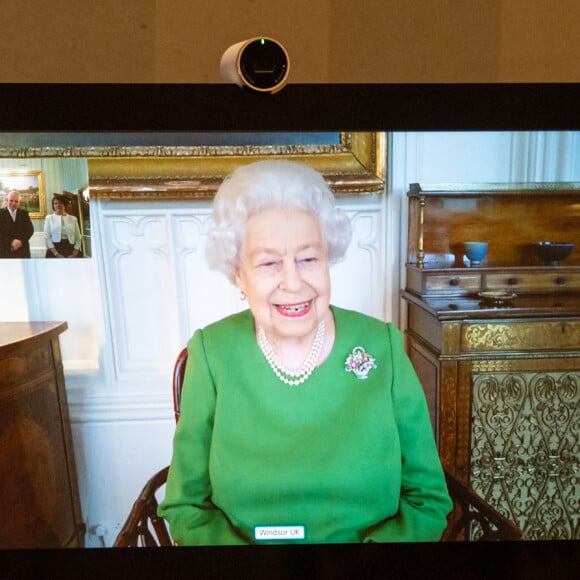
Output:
x=263 y=63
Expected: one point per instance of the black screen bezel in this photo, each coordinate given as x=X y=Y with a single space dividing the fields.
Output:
x=373 y=107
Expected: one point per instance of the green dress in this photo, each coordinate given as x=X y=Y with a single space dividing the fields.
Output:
x=343 y=458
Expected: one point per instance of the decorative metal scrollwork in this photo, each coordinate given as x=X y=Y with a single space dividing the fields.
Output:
x=525 y=449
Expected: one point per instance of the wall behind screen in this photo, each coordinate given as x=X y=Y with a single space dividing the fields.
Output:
x=329 y=41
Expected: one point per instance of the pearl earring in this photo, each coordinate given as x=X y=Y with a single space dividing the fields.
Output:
x=242 y=296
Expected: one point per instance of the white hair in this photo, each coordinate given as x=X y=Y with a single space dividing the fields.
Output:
x=263 y=185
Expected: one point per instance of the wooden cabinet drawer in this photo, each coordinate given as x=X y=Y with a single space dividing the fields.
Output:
x=533 y=281
x=452 y=283
x=19 y=367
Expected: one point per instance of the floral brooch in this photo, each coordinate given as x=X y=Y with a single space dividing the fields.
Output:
x=359 y=362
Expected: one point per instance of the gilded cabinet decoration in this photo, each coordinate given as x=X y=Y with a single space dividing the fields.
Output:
x=523 y=336
x=525 y=449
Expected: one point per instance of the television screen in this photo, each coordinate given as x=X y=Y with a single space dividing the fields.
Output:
x=138 y=166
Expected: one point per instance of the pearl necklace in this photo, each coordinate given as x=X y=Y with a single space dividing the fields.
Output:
x=297 y=376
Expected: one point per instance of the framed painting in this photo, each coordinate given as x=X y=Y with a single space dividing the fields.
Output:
x=30 y=186
x=191 y=165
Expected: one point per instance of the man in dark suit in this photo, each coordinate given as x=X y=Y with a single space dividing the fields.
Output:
x=15 y=229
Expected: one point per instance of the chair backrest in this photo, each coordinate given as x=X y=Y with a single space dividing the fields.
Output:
x=178 y=375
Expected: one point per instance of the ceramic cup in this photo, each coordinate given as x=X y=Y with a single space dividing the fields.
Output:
x=475 y=252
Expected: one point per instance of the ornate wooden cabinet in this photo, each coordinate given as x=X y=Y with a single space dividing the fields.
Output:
x=497 y=347
x=39 y=499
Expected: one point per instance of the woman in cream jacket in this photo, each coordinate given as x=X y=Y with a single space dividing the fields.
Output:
x=61 y=231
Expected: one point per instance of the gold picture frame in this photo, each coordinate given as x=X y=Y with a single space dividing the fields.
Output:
x=356 y=165
x=30 y=185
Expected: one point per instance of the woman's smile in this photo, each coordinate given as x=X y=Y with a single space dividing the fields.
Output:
x=297 y=310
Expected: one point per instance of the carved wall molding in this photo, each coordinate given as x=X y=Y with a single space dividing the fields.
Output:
x=129 y=407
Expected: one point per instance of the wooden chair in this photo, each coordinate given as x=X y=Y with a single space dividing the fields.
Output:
x=471 y=519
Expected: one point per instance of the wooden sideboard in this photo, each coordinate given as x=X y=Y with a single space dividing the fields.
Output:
x=39 y=498
x=502 y=377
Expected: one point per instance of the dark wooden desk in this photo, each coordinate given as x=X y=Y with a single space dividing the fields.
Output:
x=39 y=499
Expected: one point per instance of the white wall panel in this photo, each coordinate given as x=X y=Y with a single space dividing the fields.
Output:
x=114 y=460
x=139 y=297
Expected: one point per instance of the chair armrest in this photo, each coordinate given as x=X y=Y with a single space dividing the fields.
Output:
x=474 y=519
x=143 y=527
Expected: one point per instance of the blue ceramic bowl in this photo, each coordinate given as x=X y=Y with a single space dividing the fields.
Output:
x=475 y=252
x=554 y=252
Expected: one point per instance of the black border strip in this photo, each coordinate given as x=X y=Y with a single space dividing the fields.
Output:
x=320 y=107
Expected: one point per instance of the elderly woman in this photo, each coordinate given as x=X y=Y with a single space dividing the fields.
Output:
x=300 y=421
x=62 y=234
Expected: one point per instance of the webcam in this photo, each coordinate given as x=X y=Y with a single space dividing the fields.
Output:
x=260 y=64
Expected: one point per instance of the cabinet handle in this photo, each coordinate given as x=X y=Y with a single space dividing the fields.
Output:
x=560 y=281
x=512 y=281
x=454 y=282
